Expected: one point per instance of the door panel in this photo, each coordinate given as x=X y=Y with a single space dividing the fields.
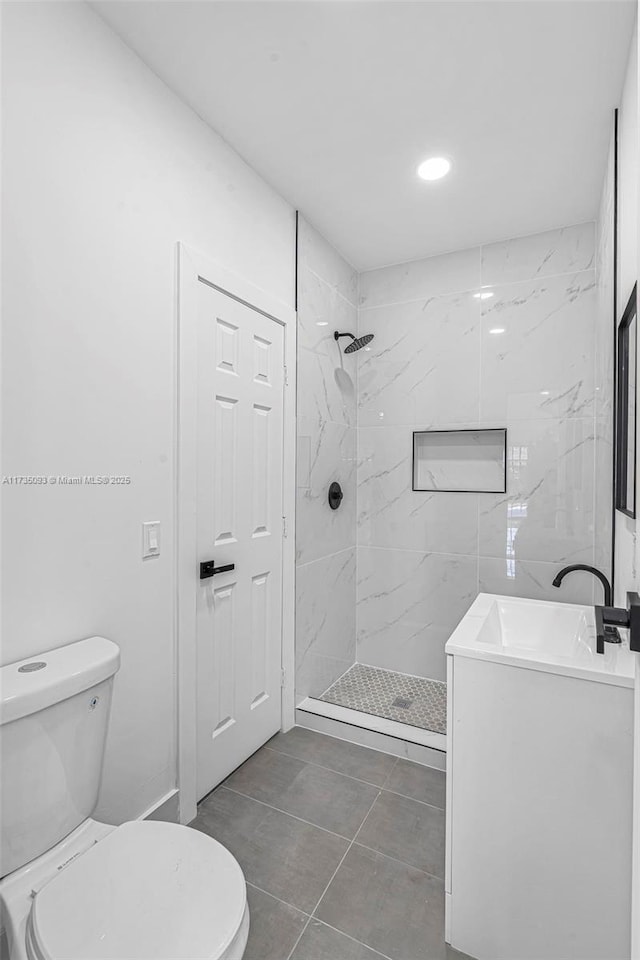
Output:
x=239 y=521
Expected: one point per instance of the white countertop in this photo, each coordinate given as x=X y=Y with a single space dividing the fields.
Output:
x=541 y=635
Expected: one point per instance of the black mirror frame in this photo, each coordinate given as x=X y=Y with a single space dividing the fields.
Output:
x=622 y=410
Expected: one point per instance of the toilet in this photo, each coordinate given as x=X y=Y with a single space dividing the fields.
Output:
x=73 y=888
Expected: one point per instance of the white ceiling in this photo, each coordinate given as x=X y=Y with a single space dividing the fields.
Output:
x=335 y=103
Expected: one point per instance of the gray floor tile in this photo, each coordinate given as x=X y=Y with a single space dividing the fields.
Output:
x=274 y=927
x=328 y=799
x=408 y=830
x=292 y=860
x=339 y=755
x=456 y=955
x=320 y=942
x=418 y=782
x=388 y=905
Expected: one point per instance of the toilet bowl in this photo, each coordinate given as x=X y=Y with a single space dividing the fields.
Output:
x=77 y=889
x=144 y=890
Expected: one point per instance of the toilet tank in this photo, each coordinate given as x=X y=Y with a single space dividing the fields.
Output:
x=54 y=711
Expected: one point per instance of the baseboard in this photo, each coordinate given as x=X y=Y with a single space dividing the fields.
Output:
x=167 y=808
x=355 y=727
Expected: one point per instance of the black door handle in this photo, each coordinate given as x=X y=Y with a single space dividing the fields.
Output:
x=209 y=569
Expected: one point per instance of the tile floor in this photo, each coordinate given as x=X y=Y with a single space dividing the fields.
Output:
x=342 y=848
x=396 y=696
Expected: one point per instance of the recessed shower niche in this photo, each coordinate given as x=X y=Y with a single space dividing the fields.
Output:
x=460 y=460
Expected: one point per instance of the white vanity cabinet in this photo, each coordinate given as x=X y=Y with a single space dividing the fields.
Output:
x=539 y=785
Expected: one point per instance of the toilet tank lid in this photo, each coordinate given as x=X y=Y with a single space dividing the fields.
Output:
x=38 y=682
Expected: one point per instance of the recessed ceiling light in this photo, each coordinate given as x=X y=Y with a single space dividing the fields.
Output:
x=483 y=294
x=497 y=330
x=434 y=168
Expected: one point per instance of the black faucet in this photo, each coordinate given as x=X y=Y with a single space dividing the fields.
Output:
x=608 y=617
x=608 y=592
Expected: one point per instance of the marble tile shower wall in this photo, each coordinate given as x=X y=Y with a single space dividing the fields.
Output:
x=443 y=357
x=325 y=540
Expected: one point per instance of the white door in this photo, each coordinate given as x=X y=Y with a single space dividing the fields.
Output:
x=239 y=522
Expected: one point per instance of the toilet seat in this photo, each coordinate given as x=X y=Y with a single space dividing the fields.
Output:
x=147 y=891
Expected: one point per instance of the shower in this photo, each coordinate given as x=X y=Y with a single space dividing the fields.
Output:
x=358 y=342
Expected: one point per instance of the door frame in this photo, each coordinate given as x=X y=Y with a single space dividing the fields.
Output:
x=193 y=268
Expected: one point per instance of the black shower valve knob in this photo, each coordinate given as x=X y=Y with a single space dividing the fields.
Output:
x=335 y=495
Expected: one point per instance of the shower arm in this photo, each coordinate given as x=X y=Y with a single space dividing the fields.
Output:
x=337 y=335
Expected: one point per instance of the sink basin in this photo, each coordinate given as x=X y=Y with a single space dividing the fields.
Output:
x=539 y=634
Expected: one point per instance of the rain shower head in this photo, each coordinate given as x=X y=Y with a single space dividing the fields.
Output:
x=356 y=342
x=359 y=342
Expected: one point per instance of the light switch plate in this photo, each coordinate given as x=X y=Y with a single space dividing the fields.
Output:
x=150 y=539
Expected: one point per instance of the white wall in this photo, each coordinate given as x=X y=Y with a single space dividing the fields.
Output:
x=632 y=258
x=104 y=171
x=627 y=545
x=628 y=180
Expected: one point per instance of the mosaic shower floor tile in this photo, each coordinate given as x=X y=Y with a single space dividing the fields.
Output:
x=394 y=696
